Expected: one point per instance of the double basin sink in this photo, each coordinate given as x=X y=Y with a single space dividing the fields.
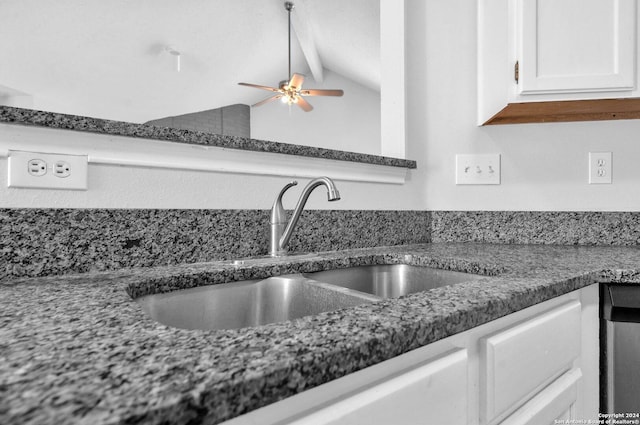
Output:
x=276 y=299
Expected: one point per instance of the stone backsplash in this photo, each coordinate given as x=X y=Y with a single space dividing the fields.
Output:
x=537 y=227
x=41 y=242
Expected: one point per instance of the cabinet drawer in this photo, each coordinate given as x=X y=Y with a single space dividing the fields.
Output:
x=519 y=361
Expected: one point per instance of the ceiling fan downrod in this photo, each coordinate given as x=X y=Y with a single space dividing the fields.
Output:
x=289 y=6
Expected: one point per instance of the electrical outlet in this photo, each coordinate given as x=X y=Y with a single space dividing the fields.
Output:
x=37 y=167
x=600 y=167
x=61 y=169
x=478 y=169
x=47 y=170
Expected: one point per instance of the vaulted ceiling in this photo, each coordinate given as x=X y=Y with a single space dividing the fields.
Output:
x=109 y=59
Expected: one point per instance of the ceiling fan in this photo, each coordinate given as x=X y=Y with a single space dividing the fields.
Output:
x=290 y=91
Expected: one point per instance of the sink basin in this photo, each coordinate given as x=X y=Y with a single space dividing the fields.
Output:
x=277 y=299
x=248 y=303
x=390 y=281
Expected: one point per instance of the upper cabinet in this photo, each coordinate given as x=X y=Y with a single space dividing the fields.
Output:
x=557 y=60
x=577 y=47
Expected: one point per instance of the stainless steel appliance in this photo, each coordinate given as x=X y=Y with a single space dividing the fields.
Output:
x=620 y=365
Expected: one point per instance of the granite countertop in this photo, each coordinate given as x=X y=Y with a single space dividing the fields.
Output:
x=78 y=349
x=31 y=117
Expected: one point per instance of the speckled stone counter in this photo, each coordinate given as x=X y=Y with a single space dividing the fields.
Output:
x=77 y=349
x=12 y=115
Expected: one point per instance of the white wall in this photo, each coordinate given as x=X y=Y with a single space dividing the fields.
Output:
x=348 y=123
x=139 y=173
x=544 y=166
x=138 y=187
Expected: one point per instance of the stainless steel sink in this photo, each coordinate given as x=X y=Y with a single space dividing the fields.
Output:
x=390 y=281
x=248 y=303
x=277 y=299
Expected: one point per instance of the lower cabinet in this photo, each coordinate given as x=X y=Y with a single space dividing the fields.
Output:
x=432 y=393
x=553 y=405
x=535 y=366
x=525 y=359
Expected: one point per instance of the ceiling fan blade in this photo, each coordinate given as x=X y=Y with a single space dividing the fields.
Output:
x=296 y=81
x=267 y=100
x=320 y=92
x=306 y=106
x=260 y=87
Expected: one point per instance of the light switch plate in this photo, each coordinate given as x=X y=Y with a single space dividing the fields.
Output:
x=477 y=169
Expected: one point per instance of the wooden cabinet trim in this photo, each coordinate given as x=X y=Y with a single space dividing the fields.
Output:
x=567 y=111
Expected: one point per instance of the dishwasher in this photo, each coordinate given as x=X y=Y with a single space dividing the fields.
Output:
x=620 y=364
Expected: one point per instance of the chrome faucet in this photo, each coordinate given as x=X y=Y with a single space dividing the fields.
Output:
x=281 y=230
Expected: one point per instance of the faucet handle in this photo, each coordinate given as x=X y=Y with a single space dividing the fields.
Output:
x=278 y=214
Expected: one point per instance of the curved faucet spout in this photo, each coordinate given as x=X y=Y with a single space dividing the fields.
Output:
x=279 y=236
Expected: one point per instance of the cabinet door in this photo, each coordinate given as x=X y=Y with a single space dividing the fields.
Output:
x=551 y=405
x=432 y=393
x=576 y=46
x=517 y=362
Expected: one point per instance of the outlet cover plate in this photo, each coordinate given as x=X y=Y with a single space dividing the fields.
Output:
x=477 y=169
x=68 y=172
x=600 y=167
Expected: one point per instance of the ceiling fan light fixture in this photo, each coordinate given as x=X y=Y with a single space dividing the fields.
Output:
x=290 y=91
x=289 y=98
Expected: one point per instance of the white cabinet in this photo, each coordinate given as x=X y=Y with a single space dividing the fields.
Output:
x=530 y=367
x=553 y=404
x=527 y=358
x=575 y=46
x=432 y=393
x=555 y=50
x=426 y=385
